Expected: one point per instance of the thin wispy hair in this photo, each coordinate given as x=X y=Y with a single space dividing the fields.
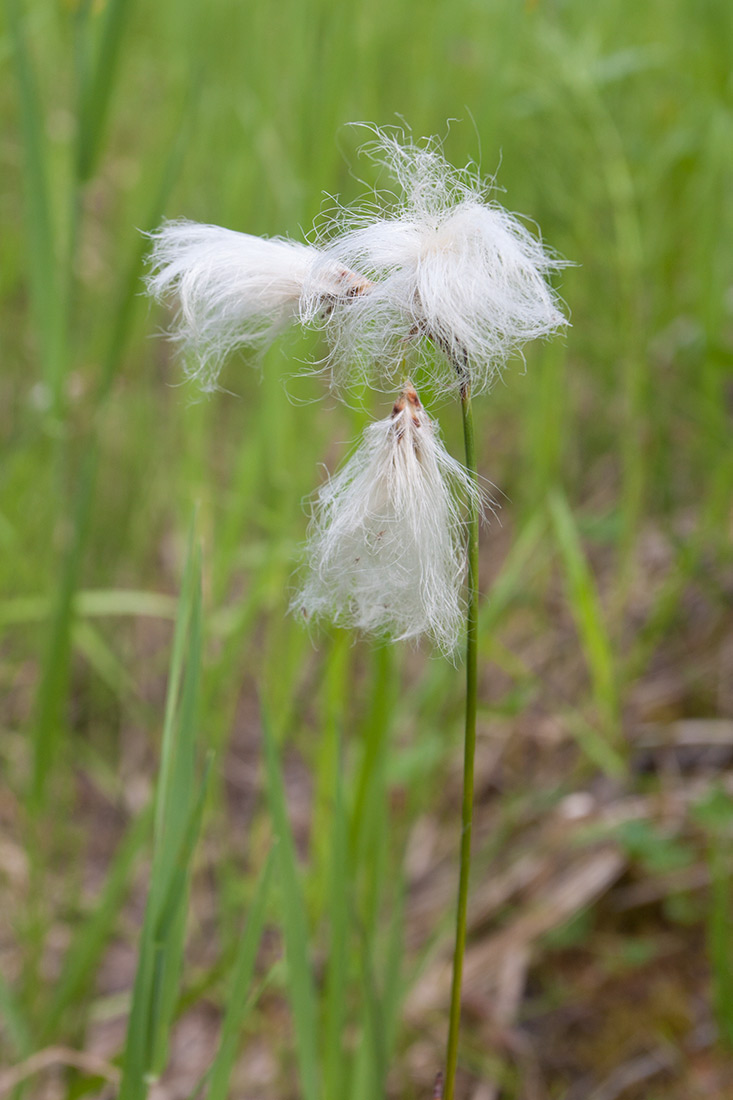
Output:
x=452 y=270
x=233 y=290
x=386 y=547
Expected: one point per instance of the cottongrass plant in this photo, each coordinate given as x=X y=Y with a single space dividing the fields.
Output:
x=450 y=267
x=449 y=270
x=444 y=281
x=386 y=553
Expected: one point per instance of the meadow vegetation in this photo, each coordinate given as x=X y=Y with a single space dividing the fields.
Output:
x=228 y=844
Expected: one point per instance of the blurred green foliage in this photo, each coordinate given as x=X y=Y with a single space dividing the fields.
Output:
x=609 y=124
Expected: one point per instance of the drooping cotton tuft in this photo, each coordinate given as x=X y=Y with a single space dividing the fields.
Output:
x=451 y=268
x=235 y=290
x=386 y=549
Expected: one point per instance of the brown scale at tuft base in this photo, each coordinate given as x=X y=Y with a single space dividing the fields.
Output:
x=408 y=397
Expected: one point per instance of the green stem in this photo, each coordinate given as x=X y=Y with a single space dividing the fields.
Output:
x=468 y=753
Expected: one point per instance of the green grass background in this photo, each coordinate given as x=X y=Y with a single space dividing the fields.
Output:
x=609 y=124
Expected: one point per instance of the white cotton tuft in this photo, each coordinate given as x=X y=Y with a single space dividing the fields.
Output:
x=234 y=290
x=450 y=268
x=386 y=550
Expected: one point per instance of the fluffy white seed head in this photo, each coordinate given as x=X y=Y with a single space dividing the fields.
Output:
x=451 y=268
x=386 y=549
x=235 y=290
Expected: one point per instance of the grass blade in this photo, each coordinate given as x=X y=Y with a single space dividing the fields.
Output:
x=16 y=1024
x=97 y=93
x=55 y=670
x=177 y=823
x=339 y=904
x=130 y=286
x=41 y=242
x=190 y=595
x=243 y=973
x=587 y=611
x=370 y=1068
x=295 y=928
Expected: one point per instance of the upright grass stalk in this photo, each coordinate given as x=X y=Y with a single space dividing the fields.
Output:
x=179 y=804
x=468 y=751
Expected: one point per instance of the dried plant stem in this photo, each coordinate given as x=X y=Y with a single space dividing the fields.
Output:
x=469 y=750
